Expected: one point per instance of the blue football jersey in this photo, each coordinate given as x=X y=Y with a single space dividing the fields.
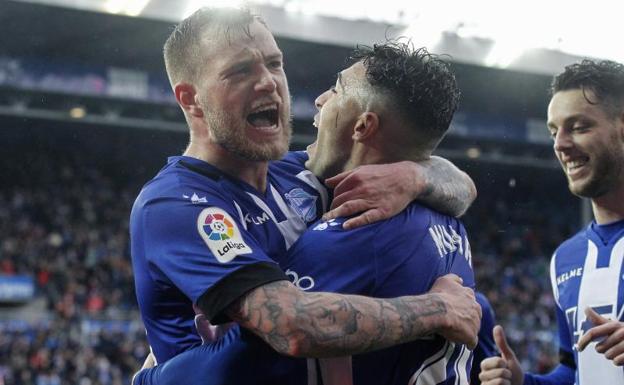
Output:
x=199 y=233
x=400 y=256
x=587 y=271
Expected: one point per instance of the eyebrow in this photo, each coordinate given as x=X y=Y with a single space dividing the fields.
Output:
x=569 y=120
x=249 y=59
x=273 y=56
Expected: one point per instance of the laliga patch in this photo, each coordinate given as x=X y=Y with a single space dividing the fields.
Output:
x=221 y=234
x=303 y=203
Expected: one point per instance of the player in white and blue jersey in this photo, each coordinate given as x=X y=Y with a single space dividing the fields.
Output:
x=401 y=256
x=208 y=231
x=586 y=121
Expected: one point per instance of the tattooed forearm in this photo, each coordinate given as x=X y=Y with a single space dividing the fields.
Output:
x=326 y=324
x=447 y=188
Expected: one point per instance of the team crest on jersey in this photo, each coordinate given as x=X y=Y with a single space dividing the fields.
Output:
x=303 y=203
x=221 y=234
x=326 y=224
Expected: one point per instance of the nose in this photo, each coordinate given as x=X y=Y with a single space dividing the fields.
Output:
x=321 y=99
x=562 y=141
x=266 y=82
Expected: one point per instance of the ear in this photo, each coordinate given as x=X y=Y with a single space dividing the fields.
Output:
x=187 y=97
x=366 y=126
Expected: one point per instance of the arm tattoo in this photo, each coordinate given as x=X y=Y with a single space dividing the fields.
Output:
x=297 y=323
x=447 y=189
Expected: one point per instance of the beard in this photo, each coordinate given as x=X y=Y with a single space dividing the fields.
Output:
x=230 y=133
x=607 y=172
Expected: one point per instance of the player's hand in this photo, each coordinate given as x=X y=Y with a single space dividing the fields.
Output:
x=504 y=370
x=463 y=316
x=376 y=192
x=611 y=333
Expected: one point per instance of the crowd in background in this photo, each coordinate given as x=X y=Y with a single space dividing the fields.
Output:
x=64 y=221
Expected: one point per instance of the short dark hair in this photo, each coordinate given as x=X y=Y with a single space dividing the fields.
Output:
x=422 y=86
x=183 y=49
x=605 y=79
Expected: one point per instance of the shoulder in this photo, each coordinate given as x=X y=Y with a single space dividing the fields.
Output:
x=573 y=244
x=180 y=183
x=293 y=163
x=417 y=217
x=292 y=158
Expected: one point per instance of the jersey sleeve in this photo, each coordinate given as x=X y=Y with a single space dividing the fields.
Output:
x=566 y=354
x=205 y=252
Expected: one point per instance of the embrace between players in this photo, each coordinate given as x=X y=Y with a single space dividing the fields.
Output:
x=231 y=231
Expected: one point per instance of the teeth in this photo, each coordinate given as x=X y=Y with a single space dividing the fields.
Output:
x=268 y=107
x=574 y=164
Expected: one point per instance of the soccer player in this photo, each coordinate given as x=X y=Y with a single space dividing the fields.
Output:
x=208 y=231
x=586 y=122
x=393 y=104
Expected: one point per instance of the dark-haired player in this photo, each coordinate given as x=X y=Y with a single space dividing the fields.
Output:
x=586 y=122
x=393 y=104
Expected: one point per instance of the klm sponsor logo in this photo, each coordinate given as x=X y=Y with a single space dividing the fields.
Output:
x=257 y=220
x=570 y=274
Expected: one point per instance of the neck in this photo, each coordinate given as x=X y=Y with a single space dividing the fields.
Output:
x=365 y=154
x=253 y=173
x=609 y=207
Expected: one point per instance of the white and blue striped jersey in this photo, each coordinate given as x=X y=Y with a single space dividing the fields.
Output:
x=587 y=270
x=198 y=234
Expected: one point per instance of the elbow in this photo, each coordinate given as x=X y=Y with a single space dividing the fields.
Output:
x=472 y=191
x=471 y=195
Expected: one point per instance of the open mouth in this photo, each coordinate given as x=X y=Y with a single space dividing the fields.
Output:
x=264 y=117
x=575 y=166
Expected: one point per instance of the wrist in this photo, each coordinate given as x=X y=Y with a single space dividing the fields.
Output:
x=419 y=179
x=435 y=320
